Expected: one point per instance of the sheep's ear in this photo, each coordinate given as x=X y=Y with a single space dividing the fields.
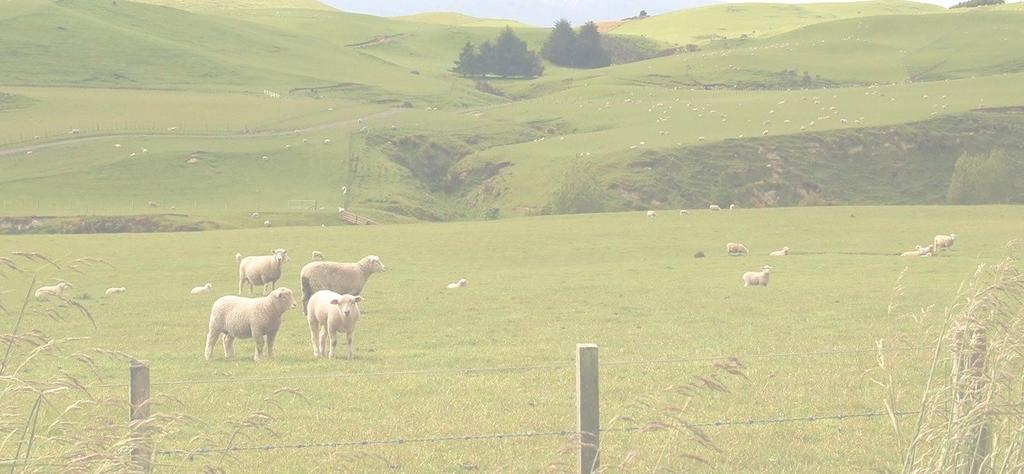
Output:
x=335 y=301
x=358 y=299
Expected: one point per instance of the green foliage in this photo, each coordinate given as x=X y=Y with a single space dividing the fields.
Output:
x=509 y=56
x=580 y=192
x=585 y=50
x=977 y=3
x=986 y=179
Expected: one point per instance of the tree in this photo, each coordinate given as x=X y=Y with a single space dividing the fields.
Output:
x=559 y=48
x=985 y=179
x=469 y=61
x=512 y=57
x=588 y=51
x=643 y=14
x=580 y=191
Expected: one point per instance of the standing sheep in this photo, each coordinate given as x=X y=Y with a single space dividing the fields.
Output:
x=242 y=318
x=736 y=249
x=342 y=278
x=780 y=253
x=715 y=207
x=329 y=313
x=260 y=270
x=943 y=242
x=757 y=278
x=652 y=214
x=56 y=290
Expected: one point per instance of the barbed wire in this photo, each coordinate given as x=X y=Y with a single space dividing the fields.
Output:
x=525 y=434
x=523 y=368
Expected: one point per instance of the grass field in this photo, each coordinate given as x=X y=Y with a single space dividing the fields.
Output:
x=537 y=287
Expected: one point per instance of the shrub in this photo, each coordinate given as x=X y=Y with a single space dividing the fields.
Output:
x=986 y=179
x=580 y=191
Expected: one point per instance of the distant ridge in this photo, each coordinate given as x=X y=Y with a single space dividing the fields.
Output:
x=207 y=5
x=459 y=19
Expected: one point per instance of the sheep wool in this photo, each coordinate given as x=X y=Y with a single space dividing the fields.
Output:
x=341 y=278
x=328 y=313
x=235 y=317
x=262 y=270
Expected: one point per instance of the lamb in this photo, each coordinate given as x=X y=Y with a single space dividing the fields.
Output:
x=943 y=242
x=736 y=249
x=714 y=207
x=202 y=290
x=115 y=291
x=260 y=270
x=912 y=253
x=780 y=253
x=458 y=284
x=56 y=290
x=342 y=278
x=757 y=278
x=652 y=214
x=318 y=255
x=329 y=313
x=242 y=318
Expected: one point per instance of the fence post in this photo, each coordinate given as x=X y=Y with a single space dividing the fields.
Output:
x=138 y=406
x=588 y=408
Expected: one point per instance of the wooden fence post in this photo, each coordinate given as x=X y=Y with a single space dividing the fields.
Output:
x=138 y=406
x=588 y=408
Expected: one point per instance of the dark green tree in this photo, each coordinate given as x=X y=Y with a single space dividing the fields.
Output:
x=513 y=58
x=561 y=44
x=589 y=53
x=468 y=63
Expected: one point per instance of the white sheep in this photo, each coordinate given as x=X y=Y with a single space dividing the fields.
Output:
x=318 y=255
x=757 y=278
x=780 y=253
x=652 y=214
x=458 y=284
x=266 y=223
x=341 y=278
x=254 y=215
x=202 y=290
x=328 y=313
x=732 y=207
x=734 y=248
x=715 y=207
x=242 y=318
x=260 y=270
x=943 y=242
x=56 y=290
x=115 y=291
x=683 y=212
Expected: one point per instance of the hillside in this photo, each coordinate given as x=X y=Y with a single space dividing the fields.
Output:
x=757 y=20
x=368 y=103
x=458 y=19
x=221 y=5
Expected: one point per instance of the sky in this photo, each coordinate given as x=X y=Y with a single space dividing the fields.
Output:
x=534 y=12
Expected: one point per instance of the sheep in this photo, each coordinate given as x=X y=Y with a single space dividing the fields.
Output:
x=943 y=242
x=56 y=290
x=757 y=278
x=736 y=249
x=342 y=278
x=260 y=270
x=732 y=207
x=652 y=214
x=329 y=312
x=255 y=215
x=458 y=284
x=912 y=253
x=780 y=253
x=115 y=291
x=683 y=212
x=714 y=207
x=202 y=290
x=266 y=223
x=242 y=318
x=318 y=255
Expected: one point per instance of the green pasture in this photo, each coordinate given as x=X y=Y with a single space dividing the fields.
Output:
x=537 y=287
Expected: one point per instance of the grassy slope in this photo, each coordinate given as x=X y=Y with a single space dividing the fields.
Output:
x=700 y=25
x=537 y=287
x=458 y=19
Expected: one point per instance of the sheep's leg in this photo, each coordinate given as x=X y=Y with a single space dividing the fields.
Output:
x=241 y=283
x=229 y=346
x=350 y=351
x=270 y=344
x=211 y=340
x=259 y=347
x=333 y=336
x=322 y=338
x=314 y=338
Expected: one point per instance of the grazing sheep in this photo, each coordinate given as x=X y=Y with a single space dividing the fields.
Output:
x=683 y=212
x=115 y=291
x=342 y=278
x=318 y=255
x=943 y=242
x=56 y=290
x=152 y=204
x=732 y=207
x=714 y=207
x=736 y=249
x=757 y=278
x=254 y=215
x=652 y=214
x=458 y=284
x=330 y=312
x=242 y=318
x=260 y=270
x=266 y=223
x=202 y=290
x=780 y=253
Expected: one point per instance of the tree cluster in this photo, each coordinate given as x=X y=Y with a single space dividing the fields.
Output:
x=583 y=49
x=508 y=56
x=992 y=178
x=978 y=3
